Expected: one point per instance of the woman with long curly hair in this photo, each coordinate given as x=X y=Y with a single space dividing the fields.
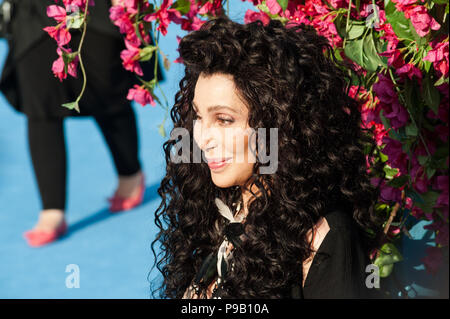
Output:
x=236 y=229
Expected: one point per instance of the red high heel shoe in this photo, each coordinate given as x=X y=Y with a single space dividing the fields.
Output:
x=38 y=238
x=120 y=203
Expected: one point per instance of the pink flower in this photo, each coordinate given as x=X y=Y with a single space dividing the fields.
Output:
x=420 y=181
x=121 y=19
x=77 y=3
x=387 y=193
x=58 y=65
x=56 y=12
x=439 y=56
x=140 y=95
x=395 y=58
x=251 y=16
x=133 y=38
x=396 y=157
x=421 y=20
x=410 y=70
x=396 y=113
x=59 y=33
x=408 y=203
x=274 y=7
x=130 y=59
x=392 y=109
x=164 y=16
x=401 y=5
x=214 y=8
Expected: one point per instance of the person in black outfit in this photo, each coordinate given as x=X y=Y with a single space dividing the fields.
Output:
x=298 y=222
x=31 y=88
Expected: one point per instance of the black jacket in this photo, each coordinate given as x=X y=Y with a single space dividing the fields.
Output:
x=338 y=270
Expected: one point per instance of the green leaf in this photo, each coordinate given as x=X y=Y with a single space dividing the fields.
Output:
x=440 y=81
x=354 y=51
x=400 y=24
x=383 y=157
x=182 y=6
x=398 y=182
x=411 y=130
x=146 y=53
x=75 y=20
x=355 y=31
x=283 y=4
x=422 y=159
x=371 y=59
x=384 y=120
x=430 y=172
x=430 y=93
x=72 y=106
x=429 y=199
x=390 y=172
x=386 y=270
x=389 y=254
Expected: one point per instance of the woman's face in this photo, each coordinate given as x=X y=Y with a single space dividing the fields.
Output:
x=221 y=130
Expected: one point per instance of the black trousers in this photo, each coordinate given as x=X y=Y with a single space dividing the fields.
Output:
x=48 y=152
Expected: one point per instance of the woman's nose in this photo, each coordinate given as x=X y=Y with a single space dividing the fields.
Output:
x=207 y=136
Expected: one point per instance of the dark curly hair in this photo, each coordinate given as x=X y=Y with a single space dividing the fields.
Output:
x=290 y=80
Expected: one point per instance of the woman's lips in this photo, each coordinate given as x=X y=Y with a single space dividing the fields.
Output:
x=218 y=163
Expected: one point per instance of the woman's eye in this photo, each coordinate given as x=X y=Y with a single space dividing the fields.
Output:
x=196 y=117
x=225 y=120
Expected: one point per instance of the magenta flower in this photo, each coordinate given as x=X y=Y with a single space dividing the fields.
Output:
x=392 y=109
x=140 y=95
x=387 y=193
x=164 y=16
x=438 y=55
x=396 y=157
x=295 y=14
x=395 y=58
x=410 y=70
x=59 y=33
x=251 y=16
x=130 y=59
x=396 y=113
x=274 y=7
x=58 y=65
x=421 y=20
x=214 y=8
x=77 y=3
x=421 y=181
x=56 y=12
x=121 y=19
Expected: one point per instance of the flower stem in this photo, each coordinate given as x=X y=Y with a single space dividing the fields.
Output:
x=79 y=56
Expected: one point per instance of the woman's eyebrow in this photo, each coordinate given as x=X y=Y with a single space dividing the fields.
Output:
x=213 y=108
